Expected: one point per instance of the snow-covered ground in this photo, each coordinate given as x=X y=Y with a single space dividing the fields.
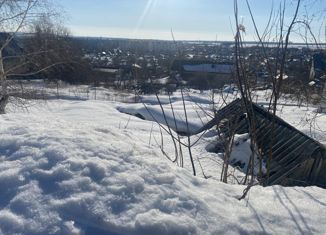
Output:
x=80 y=166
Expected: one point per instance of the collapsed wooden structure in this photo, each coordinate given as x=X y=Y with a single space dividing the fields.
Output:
x=297 y=159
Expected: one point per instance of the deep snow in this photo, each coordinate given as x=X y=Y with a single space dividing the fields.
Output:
x=83 y=167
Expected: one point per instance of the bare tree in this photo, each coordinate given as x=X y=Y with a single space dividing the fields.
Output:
x=280 y=28
x=16 y=18
x=51 y=44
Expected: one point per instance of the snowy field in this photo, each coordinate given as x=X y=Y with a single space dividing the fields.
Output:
x=76 y=165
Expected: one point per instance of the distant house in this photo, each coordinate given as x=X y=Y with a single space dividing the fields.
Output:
x=209 y=68
x=318 y=64
x=107 y=70
x=121 y=75
x=204 y=74
x=13 y=48
x=106 y=74
x=13 y=51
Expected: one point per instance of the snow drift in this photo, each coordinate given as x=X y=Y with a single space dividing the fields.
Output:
x=82 y=167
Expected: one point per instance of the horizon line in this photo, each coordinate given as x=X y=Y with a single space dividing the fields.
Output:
x=187 y=40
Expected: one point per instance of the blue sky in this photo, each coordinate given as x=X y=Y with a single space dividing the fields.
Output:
x=154 y=19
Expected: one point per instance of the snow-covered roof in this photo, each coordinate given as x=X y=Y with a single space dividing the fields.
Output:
x=106 y=70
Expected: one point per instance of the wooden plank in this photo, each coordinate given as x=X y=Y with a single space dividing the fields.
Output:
x=289 y=157
x=288 y=169
x=282 y=141
x=296 y=152
x=316 y=169
x=277 y=140
x=280 y=175
x=287 y=146
x=282 y=145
